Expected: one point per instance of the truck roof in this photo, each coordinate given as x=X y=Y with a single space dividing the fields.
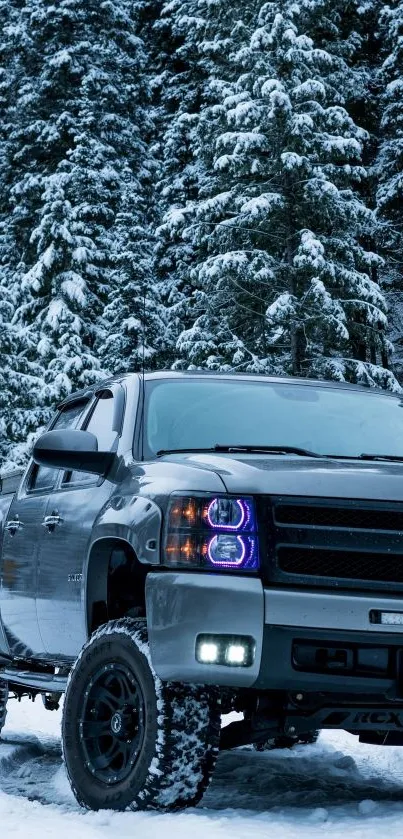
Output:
x=178 y=374
x=212 y=374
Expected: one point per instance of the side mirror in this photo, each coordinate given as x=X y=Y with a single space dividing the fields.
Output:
x=73 y=450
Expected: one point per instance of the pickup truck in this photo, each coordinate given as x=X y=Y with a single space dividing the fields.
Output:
x=182 y=545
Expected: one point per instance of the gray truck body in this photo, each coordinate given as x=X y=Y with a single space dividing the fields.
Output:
x=57 y=543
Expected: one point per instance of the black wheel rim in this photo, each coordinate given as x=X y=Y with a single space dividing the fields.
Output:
x=111 y=723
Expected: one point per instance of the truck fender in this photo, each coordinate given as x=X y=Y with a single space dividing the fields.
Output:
x=131 y=521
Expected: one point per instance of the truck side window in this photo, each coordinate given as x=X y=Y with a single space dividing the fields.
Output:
x=44 y=477
x=100 y=423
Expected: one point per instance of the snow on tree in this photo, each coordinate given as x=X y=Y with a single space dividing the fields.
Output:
x=134 y=321
x=76 y=136
x=21 y=381
x=189 y=45
x=244 y=134
x=282 y=280
x=21 y=412
x=389 y=170
x=22 y=388
x=178 y=79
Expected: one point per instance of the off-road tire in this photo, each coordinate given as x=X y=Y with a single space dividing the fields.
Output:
x=181 y=729
x=286 y=741
x=3 y=703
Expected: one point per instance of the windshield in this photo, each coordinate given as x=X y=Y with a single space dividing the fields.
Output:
x=199 y=413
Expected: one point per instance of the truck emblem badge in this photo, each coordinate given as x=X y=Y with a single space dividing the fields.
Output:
x=116 y=723
x=75 y=578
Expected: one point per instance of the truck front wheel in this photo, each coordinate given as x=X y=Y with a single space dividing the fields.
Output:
x=130 y=740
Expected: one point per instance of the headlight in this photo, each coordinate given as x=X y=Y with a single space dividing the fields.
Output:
x=229 y=513
x=206 y=532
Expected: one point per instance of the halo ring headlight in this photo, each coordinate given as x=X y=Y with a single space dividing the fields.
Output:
x=227 y=514
x=226 y=561
x=217 y=531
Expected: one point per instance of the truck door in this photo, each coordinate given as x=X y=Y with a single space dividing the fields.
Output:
x=71 y=512
x=23 y=535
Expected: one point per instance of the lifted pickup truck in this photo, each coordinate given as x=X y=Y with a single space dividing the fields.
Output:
x=185 y=544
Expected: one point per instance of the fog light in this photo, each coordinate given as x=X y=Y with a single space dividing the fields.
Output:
x=236 y=654
x=208 y=652
x=227 y=650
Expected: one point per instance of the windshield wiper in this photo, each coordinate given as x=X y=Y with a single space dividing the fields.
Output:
x=268 y=449
x=218 y=447
x=392 y=457
x=248 y=449
x=189 y=449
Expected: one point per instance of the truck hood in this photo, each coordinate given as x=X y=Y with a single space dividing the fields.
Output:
x=251 y=474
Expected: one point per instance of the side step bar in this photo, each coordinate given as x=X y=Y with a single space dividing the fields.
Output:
x=45 y=682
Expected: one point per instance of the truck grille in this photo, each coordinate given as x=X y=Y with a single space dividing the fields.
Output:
x=338 y=517
x=343 y=564
x=333 y=542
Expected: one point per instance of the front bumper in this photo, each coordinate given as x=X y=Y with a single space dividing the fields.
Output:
x=181 y=606
x=305 y=641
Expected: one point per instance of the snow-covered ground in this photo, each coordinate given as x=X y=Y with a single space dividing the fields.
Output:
x=335 y=787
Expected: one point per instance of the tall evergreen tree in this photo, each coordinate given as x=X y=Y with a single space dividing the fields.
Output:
x=389 y=169
x=78 y=137
x=177 y=84
x=21 y=382
x=134 y=322
x=188 y=47
x=282 y=281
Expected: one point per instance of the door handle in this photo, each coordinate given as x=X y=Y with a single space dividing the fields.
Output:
x=52 y=521
x=13 y=525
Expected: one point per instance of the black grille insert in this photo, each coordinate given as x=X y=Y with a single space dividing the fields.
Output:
x=295 y=514
x=327 y=542
x=319 y=562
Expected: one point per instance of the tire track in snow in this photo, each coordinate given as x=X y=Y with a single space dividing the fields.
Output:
x=30 y=769
x=306 y=777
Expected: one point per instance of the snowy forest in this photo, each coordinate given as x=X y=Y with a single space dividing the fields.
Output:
x=199 y=183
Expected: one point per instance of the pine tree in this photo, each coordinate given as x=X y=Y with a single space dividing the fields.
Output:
x=21 y=380
x=282 y=280
x=177 y=82
x=6 y=372
x=76 y=134
x=21 y=411
x=389 y=170
x=135 y=326
x=188 y=46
